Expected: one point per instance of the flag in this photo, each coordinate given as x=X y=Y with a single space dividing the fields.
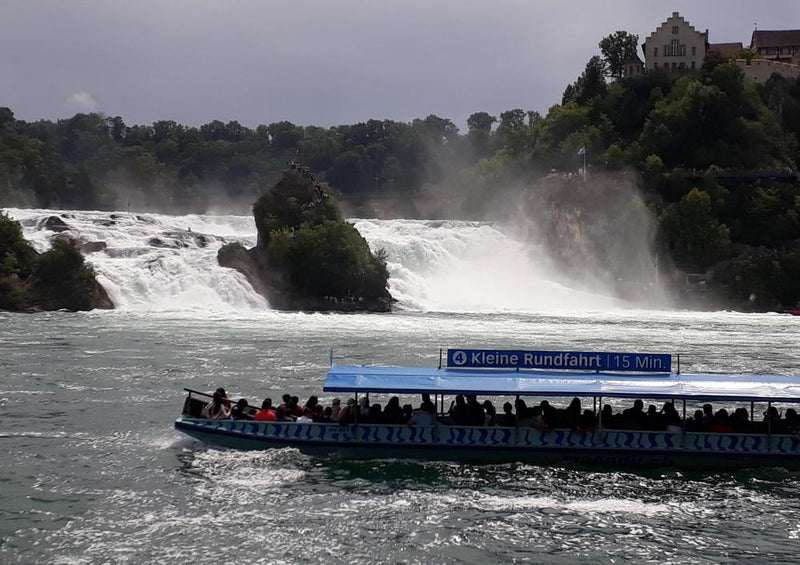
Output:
x=582 y=151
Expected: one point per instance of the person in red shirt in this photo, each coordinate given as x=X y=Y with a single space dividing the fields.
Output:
x=266 y=414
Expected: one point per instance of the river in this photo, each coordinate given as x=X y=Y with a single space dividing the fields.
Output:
x=92 y=471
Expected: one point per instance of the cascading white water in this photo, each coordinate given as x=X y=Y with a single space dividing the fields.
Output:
x=471 y=267
x=154 y=261
x=165 y=263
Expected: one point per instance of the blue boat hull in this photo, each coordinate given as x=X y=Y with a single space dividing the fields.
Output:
x=611 y=448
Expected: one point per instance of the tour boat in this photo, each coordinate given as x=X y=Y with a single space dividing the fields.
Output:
x=506 y=375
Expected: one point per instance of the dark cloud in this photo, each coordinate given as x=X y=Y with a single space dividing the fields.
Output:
x=323 y=62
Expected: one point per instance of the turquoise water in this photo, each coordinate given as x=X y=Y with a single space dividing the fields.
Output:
x=92 y=471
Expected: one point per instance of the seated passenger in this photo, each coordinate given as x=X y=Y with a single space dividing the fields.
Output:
x=293 y=407
x=524 y=414
x=280 y=414
x=306 y=418
x=266 y=414
x=740 y=422
x=671 y=419
x=720 y=424
x=507 y=419
x=538 y=420
x=491 y=413
x=336 y=405
x=587 y=422
x=314 y=408
x=408 y=411
x=375 y=415
x=698 y=423
x=215 y=410
x=459 y=413
x=348 y=414
x=393 y=413
x=241 y=411
x=225 y=400
x=607 y=417
x=327 y=415
x=426 y=417
x=634 y=418
x=476 y=414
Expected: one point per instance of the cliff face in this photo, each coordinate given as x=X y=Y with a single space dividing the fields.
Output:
x=307 y=257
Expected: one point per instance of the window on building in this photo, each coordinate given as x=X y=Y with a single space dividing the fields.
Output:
x=693 y=67
x=694 y=50
x=674 y=65
x=674 y=30
x=655 y=51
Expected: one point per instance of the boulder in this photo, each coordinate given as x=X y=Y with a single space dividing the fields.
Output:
x=54 y=223
x=93 y=246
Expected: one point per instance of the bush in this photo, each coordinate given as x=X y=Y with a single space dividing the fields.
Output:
x=62 y=279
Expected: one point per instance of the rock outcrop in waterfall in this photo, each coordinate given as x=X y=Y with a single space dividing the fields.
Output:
x=54 y=280
x=307 y=257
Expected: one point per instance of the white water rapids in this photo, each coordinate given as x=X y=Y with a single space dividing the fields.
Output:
x=155 y=262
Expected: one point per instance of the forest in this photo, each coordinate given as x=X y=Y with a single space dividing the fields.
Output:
x=714 y=156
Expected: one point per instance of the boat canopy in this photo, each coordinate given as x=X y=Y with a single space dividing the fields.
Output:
x=498 y=382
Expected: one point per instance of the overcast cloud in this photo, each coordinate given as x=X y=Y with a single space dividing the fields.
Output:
x=323 y=62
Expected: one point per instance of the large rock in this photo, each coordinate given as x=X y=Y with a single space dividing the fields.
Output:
x=54 y=223
x=307 y=257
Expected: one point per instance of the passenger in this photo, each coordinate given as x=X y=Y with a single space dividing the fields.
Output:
x=306 y=418
x=327 y=415
x=375 y=415
x=491 y=413
x=507 y=419
x=524 y=414
x=266 y=414
x=336 y=405
x=549 y=413
x=241 y=411
x=225 y=400
x=740 y=422
x=314 y=407
x=459 y=414
x=476 y=414
x=653 y=418
x=587 y=422
x=280 y=414
x=671 y=419
x=363 y=408
x=408 y=411
x=285 y=400
x=572 y=415
x=698 y=423
x=293 y=408
x=215 y=410
x=347 y=415
x=720 y=424
x=607 y=417
x=393 y=414
x=426 y=417
x=634 y=418
x=708 y=414
x=538 y=420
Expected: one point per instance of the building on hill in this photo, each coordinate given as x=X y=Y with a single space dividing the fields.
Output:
x=633 y=67
x=725 y=50
x=782 y=46
x=759 y=70
x=675 y=46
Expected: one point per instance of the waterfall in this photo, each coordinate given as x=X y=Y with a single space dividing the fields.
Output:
x=159 y=262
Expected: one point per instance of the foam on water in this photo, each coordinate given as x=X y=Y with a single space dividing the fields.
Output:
x=162 y=263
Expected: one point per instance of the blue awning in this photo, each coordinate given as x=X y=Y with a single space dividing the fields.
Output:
x=416 y=380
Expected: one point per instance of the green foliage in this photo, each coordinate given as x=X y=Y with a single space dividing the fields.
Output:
x=591 y=83
x=330 y=259
x=62 y=279
x=693 y=235
x=617 y=49
x=16 y=255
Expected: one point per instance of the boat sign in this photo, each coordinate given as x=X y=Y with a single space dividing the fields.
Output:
x=554 y=360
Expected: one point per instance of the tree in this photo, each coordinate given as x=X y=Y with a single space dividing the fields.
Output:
x=590 y=84
x=618 y=48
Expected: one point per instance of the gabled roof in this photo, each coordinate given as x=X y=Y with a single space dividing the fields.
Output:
x=665 y=23
x=775 y=38
x=727 y=50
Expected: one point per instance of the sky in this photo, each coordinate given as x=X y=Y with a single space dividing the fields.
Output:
x=324 y=62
